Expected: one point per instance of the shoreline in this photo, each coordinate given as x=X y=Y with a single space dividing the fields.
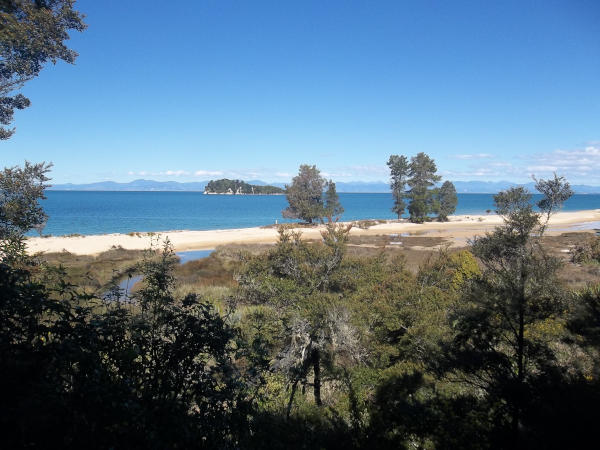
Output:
x=459 y=229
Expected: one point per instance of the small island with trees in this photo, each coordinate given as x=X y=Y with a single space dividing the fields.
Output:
x=239 y=187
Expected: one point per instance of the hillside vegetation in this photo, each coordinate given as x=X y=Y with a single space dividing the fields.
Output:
x=239 y=187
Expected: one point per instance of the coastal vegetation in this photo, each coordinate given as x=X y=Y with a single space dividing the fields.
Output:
x=342 y=341
x=239 y=187
x=305 y=197
x=424 y=199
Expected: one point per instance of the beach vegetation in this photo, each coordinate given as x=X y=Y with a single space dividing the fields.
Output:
x=333 y=207
x=448 y=200
x=413 y=186
x=555 y=192
x=306 y=199
x=399 y=169
x=421 y=194
x=365 y=224
x=587 y=252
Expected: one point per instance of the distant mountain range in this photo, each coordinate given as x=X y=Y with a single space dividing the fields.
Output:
x=463 y=187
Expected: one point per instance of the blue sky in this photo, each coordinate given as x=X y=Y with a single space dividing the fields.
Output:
x=192 y=90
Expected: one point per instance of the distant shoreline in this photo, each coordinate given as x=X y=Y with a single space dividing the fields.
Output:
x=459 y=229
x=227 y=193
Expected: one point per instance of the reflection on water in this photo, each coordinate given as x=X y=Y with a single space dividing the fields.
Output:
x=587 y=226
x=192 y=255
x=126 y=285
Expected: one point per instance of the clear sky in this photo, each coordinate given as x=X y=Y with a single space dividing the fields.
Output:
x=191 y=90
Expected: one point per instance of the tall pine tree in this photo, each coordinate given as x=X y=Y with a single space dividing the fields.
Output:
x=399 y=169
x=447 y=201
x=422 y=176
x=333 y=207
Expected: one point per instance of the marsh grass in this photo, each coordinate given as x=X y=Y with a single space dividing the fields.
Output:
x=213 y=277
x=95 y=273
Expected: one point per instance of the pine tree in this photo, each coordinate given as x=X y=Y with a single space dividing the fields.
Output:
x=500 y=346
x=333 y=207
x=447 y=201
x=399 y=169
x=422 y=173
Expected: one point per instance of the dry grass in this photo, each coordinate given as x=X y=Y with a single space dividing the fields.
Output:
x=94 y=273
x=213 y=277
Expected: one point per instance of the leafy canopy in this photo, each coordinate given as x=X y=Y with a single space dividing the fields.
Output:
x=501 y=343
x=32 y=33
x=20 y=192
x=305 y=196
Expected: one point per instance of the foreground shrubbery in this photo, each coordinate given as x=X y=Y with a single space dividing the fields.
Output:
x=85 y=372
x=312 y=348
x=587 y=252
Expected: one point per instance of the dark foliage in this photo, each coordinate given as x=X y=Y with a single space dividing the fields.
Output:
x=32 y=33
x=79 y=372
x=225 y=186
x=20 y=191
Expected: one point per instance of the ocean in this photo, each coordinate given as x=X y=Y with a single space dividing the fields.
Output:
x=86 y=212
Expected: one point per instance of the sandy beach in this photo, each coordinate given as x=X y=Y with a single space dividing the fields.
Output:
x=459 y=229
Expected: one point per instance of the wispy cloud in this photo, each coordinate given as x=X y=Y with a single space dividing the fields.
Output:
x=474 y=172
x=204 y=173
x=176 y=173
x=583 y=162
x=580 y=165
x=473 y=156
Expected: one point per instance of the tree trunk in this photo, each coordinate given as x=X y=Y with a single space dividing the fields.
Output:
x=516 y=413
x=316 y=358
x=291 y=400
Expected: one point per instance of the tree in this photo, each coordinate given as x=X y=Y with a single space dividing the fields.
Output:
x=555 y=191
x=333 y=207
x=32 y=33
x=305 y=195
x=500 y=345
x=78 y=371
x=295 y=279
x=447 y=201
x=399 y=169
x=422 y=175
x=20 y=191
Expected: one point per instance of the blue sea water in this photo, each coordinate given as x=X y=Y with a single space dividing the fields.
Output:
x=123 y=212
x=127 y=283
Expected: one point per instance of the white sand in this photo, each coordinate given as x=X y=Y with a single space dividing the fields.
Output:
x=459 y=228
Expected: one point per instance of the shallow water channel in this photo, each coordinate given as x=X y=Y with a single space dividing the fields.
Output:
x=184 y=257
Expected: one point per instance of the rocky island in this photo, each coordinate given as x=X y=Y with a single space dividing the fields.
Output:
x=239 y=187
